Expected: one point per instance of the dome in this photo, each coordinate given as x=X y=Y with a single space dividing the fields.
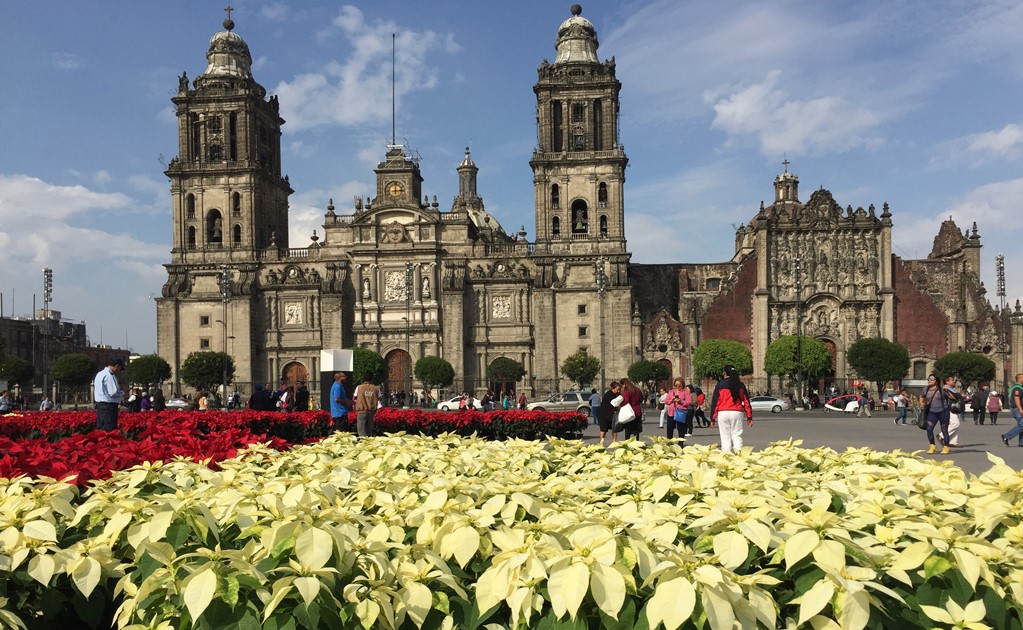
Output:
x=228 y=55
x=577 y=39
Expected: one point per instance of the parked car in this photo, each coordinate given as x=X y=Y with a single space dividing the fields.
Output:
x=178 y=403
x=452 y=404
x=568 y=401
x=768 y=403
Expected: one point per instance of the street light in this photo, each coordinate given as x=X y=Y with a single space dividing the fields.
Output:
x=602 y=283
x=1002 y=347
x=225 y=292
x=799 y=336
x=47 y=296
x=408 y=332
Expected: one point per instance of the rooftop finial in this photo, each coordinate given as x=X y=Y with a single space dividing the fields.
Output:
x=228 y=23
x=576 y=9
x=786 y=163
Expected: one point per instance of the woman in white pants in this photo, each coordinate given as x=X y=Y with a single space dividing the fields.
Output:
x=728 y=408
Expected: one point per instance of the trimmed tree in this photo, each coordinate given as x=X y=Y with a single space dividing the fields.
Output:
x=711 y=357
x=878 y=360
x=206 y=369
x=969 y=367
x=150 y=369
x=75 y=371
x=780 y=357
x=16 y=370
x=434 y=372
x=648 y=372
x=581 y=367
x=365 y=360
x=505 y=370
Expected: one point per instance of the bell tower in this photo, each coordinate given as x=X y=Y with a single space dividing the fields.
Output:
x=578 y=165
x=226 y=187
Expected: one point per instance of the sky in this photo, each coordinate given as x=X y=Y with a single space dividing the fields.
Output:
x=914 y=103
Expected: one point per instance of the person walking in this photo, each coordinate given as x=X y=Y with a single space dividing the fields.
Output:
x=901 y=407
x=933 y=399
x=994 y=405
x=633 y=396
x=522 y=401
x=979 y=404
x=339 y=401
x=367 y=395
x=676 y=407
x=606 y=416
x=595 y=400
x=699 y=418
x=729 y=406
x=107 y=394
x=864 y=405
x=955 y=418
x=1016 y=408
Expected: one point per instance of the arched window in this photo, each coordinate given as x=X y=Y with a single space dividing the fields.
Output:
x=602 y=195
x=191 y=237
x=236 y=234
x=236 y=203
x=603 y=226
x=555 y=196
x=556 y=228
x=214 y=227
x=190 y=206
x=580 y=217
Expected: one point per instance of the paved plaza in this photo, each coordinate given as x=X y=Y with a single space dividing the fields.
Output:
x=840 y=431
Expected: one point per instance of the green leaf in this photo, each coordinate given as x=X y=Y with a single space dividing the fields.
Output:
x=199 y=592
x=936 y=565
x=308 y=587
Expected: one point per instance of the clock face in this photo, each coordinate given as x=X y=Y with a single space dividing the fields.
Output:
x=395 y=189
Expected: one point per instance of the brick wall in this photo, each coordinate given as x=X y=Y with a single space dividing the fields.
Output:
x=920 y=325
x=731 y=314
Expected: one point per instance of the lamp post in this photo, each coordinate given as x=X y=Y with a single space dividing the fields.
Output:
x=47 y=296
x=799 y=335
x=225 y=292
x=408 y=332
x=602 y=283
x=1002 y=347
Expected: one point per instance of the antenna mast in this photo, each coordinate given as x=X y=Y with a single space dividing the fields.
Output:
x=393 y=135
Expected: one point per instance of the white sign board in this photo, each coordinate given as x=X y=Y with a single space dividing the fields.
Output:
x=337 y=360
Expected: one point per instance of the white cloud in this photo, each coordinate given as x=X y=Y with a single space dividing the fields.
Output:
x=65 y=61
x=782 y=124
x=358 y=91
x=978 y=149
x=307 y=209
x=275 y=11
x=102 y=177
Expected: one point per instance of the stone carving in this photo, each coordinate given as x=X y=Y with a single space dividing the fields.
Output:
x=426 y=288
x=293 y=313
x=394 y=233
x=366 y=293
x=394 y=286
x=500 y=307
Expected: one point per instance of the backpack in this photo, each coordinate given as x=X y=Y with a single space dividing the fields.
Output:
x=956 y=404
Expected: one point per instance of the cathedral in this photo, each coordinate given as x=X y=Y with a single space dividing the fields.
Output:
x=397 y=274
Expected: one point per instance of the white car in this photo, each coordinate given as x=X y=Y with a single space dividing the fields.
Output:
x=768 y=403
x=453 y=404
x=568 y=401
x=178 y=403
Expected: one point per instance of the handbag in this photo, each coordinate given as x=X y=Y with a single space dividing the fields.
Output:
x=921 y=418
x=626 y=414
x=680 y=414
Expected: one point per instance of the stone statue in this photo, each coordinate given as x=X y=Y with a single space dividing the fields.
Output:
x=183 y=82
x=365 y=289
x=426 y=288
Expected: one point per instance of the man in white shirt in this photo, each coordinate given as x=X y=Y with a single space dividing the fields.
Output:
x=107 y=394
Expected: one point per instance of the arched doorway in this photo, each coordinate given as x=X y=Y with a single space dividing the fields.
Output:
x=399 y=374
x=666 y=384
x=294 y=373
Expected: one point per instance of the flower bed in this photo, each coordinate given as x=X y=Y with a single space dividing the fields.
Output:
x=64 y=445
x=410 y=531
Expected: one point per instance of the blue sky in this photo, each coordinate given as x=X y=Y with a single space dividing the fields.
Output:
x=914 y=103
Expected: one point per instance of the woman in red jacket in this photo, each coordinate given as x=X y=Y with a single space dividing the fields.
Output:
x=633 y=396
x=728 y=407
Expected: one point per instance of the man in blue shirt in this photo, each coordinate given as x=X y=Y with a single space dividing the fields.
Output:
x=339 y=401
x=594 y=400
x=107 y=394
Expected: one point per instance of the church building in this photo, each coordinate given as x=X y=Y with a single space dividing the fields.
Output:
x=396 y=273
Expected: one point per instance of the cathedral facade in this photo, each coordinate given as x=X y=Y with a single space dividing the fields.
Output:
x=397 y=274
